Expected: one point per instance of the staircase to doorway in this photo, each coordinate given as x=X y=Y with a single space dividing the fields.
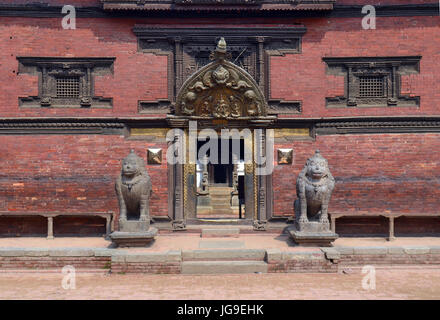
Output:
x=220 y=204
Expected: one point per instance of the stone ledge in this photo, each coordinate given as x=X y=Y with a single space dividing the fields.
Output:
x=396 y=250
x=331 y=253
x=223 y=267
x=59 y=252
x=170 y=256
x=403 y=250
x=220 y=233
x=435 y=249
x=370 y=250
x=273 y=255
x=287 y=256
x=71 y=252
x=344 y=250
x=224 y=254
x=416 y=250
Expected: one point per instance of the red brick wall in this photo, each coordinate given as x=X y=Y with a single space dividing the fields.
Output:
x=376 y=173
x=342 y=37
x=373 y=172
x=42 y=263
x=137 y=76
x=75 y=173
x=141 y=76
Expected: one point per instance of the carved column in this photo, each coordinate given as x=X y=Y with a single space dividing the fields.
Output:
x=179 y=62
x=261 y=64
x=260 y=144
x=204 y=187
x=234 y=193
x=178 y=222
x=263 y=153
x=392 y=101
x=351 y=98
x=49 y=228
x=203 y=197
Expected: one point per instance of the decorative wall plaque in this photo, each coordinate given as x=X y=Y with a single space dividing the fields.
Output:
x=154 y=156
x=285 y=156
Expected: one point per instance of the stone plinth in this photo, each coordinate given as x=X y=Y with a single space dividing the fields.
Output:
x=133 y=239
x=313 y=234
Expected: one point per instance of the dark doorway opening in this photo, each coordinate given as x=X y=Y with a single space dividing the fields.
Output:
x=222 y=180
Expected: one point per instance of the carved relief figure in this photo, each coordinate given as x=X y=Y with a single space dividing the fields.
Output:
x=133 y=188
x=254 y=107
x=314 y=188
x=230 y=91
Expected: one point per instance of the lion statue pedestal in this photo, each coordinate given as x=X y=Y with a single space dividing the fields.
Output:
x=133 y=188
x=314 y=188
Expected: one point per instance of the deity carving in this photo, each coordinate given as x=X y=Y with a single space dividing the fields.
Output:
x=314 y=188
x=221 y=89
x=133 y=188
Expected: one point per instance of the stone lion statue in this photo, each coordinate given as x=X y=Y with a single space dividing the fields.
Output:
x=314 y=188
x=133 y=188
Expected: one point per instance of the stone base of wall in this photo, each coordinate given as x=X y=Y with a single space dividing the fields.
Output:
x=323 y=260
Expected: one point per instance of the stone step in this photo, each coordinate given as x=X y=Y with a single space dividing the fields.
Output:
x=224 y=201
x=217 y=210
x=219 y=188
x=226 y=206
x=220 y=196
x=222 y=211
x=224 y=255
x=228 y=216
x=220 y=233
x=218 y=192
x=223 y=267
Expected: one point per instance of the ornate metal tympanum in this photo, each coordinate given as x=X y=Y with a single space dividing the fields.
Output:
x=221 y=90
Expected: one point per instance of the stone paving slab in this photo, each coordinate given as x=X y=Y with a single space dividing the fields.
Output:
x=370 y=250
x=223 y=267
x=221 y=244
x=224 y=254
x=170 y=256
x=220 y=232
x=191 y=241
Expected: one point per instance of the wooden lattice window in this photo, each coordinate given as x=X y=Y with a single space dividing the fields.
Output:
x=66 y=82
x=68 y=87
x=372 y=81
x=371 y=87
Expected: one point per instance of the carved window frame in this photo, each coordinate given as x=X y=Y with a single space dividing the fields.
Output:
x=182 y=45
x=390 y=68
x=49 y=69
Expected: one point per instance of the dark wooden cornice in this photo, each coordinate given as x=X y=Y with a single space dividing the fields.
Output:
x=38 y=10
x=218 y=5
x=319 y=126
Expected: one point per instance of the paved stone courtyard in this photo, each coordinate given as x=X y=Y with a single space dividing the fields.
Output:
x=395 y=283
x=194 y=241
